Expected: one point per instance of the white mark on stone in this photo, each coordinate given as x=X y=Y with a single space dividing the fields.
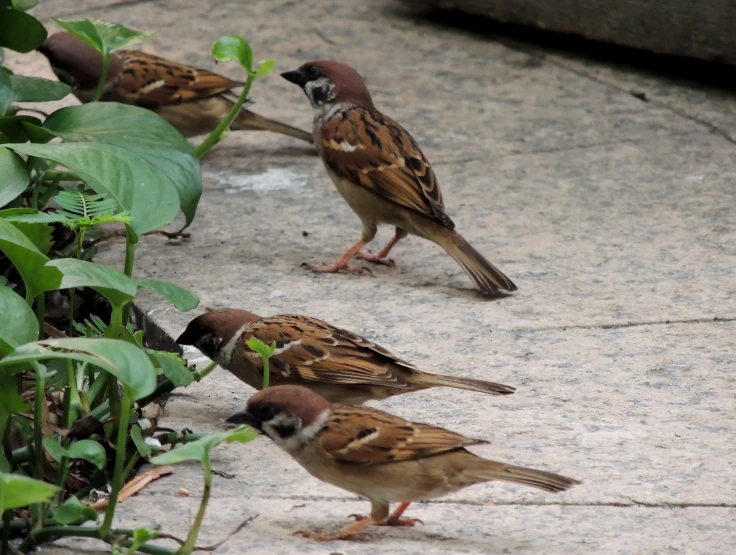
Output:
x=273 y=179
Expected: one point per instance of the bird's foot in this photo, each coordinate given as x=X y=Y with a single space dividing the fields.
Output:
x=376 y=259
x=330 y=536
x=391 y=521
x=334 y=268
x=401 y=521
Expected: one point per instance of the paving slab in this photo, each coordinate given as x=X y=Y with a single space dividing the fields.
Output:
x=614 y=217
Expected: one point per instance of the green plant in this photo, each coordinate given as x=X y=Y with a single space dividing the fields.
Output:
x=228 y=49
x=84 y=166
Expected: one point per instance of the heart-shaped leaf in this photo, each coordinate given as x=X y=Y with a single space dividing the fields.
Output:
x=89 y=451
x=150 y=139
x=37 y=89
x=183 y=299
x=234 y=47
x=104 y=35
x=265 y=67
x=10 y=400
x=179 y=374
x=73 y=511
x=15 y=176
x=19 y=491
x=28 y=260
x=143 y=448
x=39 y=233
x=19 y=324
x=199 y=450
x=125 y=361
x=20 y=31
x=115 y=286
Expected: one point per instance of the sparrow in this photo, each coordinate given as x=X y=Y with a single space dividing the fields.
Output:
x=380 y=171
x=192 y=100
x=376 y=454
x=336 y=363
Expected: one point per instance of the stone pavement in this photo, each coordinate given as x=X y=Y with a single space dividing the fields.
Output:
x=614 y=216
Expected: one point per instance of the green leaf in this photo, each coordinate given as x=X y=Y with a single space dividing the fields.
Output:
x=261 y=348
x=143 y=448
x=115 y=286
x=37 y=89
x=130 y=153
x=73 y=511
x=55 y=450
x=20 y=32
x=13 y=127
x=178 y=373
x=103 y=35
x=199 y=450
x=125 y=361
x=15 y=177
x=183 y=299
x=234 y=47
x=39 y=234
x=265 y=67
x=24 y=5
x=10 y=400
x=20 y=491
x=18 y=324
x=28 y=260
x=6 y=93
x=142 y=535
x=89 y=451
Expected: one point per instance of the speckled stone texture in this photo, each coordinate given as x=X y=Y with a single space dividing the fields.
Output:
x=614 y=216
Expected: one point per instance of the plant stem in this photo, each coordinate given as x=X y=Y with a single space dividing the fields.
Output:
x=40 y=313
x=103 y=76
x=266 y=373
x=167 y=386
x=75 y=403
x=188 y=546
x=131 y=240
x=38 y=437
x=117 y=479
x=4 y=550
x=95 y=533
x=215 y=137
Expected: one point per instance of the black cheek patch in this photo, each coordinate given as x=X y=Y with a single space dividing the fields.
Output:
x=320 y=95
x=285 y=431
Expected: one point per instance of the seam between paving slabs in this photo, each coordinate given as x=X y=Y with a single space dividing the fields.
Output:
x=714 y=320
x=615 y=504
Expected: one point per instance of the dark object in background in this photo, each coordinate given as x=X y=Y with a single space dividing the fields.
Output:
x=704 y=30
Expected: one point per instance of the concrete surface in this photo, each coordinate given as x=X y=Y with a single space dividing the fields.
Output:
x=614 y=217
x=702 y=29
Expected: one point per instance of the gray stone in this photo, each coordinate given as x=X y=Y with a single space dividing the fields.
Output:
x=613 y=216
x=697 y=29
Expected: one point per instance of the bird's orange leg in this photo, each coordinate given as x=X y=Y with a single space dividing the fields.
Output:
x=342 y=264
x=382 y=256
x=395 y=518
x=349 y=532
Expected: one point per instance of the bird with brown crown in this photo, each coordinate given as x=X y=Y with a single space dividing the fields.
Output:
x=336 y=363
x=377 y=455
x=380 y=171
x=192 y=100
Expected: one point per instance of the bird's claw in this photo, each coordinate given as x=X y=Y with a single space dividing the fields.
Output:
x=376 y=259
x=334 y=268
x=408 y=522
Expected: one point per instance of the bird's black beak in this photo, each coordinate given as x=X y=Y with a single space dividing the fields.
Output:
x=244 y=417
x=186 y=338
x=295 y=76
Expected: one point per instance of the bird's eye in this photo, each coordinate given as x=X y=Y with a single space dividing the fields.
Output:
x=313 y=73
x=267 y=412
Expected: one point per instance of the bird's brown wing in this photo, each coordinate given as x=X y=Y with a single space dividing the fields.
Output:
x=363 y=435
x=150 y=81
x=376 y=152
x=313 y=350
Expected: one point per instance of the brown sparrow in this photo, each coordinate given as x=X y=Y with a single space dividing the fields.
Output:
x=376 y=454
x=338 y=364
x=193 y=100
x=380 y=171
